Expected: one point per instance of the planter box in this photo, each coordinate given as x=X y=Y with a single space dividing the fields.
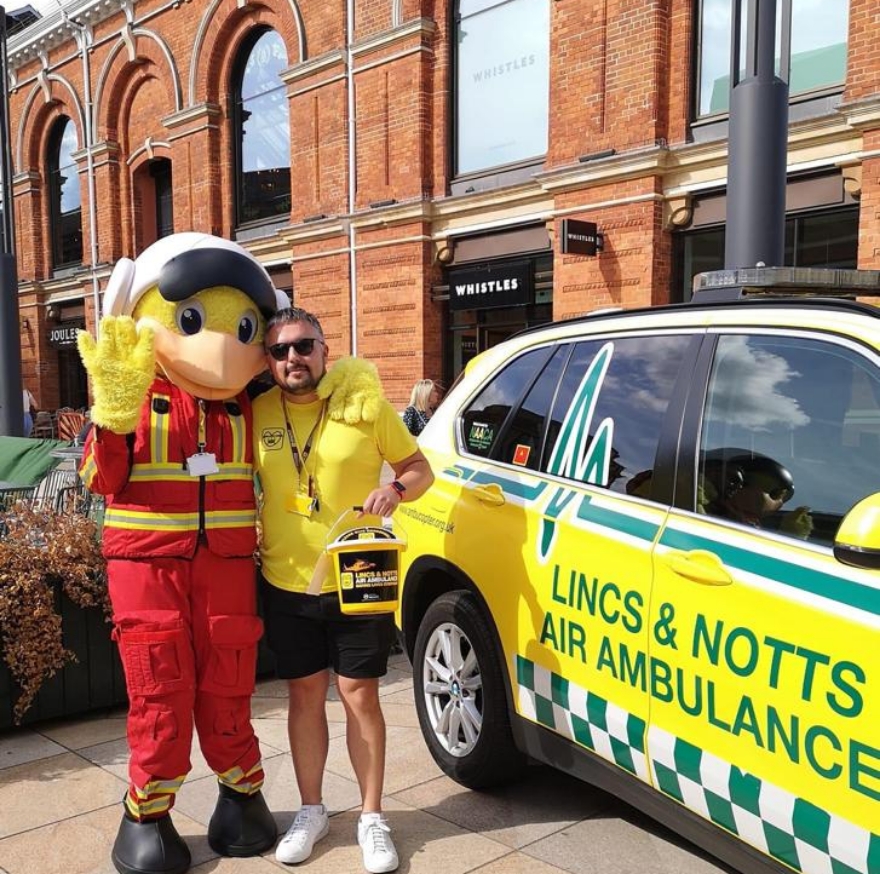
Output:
x=95 y=681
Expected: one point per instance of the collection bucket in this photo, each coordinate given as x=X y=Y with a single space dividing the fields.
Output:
x=366 y=563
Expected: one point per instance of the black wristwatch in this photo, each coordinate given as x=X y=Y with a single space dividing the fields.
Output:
x=398 y=487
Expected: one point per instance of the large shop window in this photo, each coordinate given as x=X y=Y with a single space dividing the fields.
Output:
x=261 y=115
x=65 y=200
x=818 y=49
x=825 y=239
x=501 y=82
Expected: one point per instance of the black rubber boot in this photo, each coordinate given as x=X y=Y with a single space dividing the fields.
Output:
x=149 y=847
x=241 y=825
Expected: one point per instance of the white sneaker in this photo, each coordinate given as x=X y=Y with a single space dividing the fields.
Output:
x=309 y=825
x=374 y=837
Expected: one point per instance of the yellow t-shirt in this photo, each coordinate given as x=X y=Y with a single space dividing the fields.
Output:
x=345 y=463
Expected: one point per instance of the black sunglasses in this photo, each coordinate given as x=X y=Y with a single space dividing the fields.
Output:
x=280 y=351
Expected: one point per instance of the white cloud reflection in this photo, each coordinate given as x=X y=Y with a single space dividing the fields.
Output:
x=746 y=389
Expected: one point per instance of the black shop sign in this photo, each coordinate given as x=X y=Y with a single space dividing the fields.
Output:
x=580 y=238
x=490 y=285
x=64 y=335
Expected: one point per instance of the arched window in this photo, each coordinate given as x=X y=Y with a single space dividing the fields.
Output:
x=262 y=129
x=65 y=200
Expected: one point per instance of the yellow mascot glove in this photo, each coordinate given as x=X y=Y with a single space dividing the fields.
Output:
x=797 y=523
x=352 y=390
x=121 y=365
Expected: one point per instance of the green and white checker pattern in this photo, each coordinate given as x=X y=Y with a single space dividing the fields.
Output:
x=581 y=716
x=788 y=828
x=780 y=824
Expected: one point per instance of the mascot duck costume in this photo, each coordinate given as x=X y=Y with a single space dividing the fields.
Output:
x=172 y=452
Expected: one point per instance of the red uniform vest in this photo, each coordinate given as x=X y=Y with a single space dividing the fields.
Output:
x=154 y=507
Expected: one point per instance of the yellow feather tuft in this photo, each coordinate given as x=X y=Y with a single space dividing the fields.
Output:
x=352 y=390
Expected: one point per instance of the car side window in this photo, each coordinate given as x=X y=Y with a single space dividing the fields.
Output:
x=791 y=434
x=520 y=442
x=609 y=409
x=484 y=418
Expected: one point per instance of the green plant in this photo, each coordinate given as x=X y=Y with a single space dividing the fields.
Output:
x=42 y=551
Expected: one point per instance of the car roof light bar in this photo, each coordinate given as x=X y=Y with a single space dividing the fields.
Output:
x=728 y=285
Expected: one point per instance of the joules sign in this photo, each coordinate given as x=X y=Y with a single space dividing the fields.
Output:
x=64 y=335
x=490 y=285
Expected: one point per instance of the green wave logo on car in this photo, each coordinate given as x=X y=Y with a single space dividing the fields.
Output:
x=579 y=452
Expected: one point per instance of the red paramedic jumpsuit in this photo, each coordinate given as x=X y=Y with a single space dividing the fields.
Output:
x=180 y=569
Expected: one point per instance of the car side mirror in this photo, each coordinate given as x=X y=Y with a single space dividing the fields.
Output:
x=858 y=538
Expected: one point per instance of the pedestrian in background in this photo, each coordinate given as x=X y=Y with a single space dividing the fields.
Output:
x=30 y=408
x=423 y=401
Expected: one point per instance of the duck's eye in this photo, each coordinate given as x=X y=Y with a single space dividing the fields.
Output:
x=247 y=327
x=190 y=317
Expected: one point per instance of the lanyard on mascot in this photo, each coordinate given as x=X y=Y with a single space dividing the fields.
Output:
x=300 y=458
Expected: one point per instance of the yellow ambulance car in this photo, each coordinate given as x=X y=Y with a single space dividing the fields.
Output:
x=651 y=558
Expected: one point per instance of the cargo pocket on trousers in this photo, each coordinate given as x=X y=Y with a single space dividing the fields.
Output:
x=232 y=668
x=156 y=653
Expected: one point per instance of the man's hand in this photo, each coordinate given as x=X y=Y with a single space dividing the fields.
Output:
x=121 y=365
x=382 y=501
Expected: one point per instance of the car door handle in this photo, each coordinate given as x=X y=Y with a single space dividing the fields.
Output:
x=490 y=494
x=699 y=566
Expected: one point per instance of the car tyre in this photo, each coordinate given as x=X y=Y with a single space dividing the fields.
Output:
x=458 y=683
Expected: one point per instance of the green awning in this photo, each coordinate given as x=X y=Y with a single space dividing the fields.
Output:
x=24 y=461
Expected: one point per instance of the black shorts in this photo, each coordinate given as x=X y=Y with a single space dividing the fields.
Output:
x=308 y=633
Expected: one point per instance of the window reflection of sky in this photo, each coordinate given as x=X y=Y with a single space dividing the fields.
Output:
x=266 y=113
x=818 y=47
x=792 y=400
x=634 y=395
x=71 y=198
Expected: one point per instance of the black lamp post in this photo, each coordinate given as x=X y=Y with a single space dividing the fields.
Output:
x=11 y=406
x=758 y=141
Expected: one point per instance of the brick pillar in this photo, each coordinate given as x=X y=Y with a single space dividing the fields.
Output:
x=195 y=168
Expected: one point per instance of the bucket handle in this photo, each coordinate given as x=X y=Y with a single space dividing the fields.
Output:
x=332 y=533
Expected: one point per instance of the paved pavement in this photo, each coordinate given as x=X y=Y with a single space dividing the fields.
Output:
x=61 y=785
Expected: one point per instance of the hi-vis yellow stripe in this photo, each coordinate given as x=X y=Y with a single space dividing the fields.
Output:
x=236 y=779
x=140 y=520
x=238 y=438
x=154 y=786
x=88 y=471
x=162 y=472
x=159 y=430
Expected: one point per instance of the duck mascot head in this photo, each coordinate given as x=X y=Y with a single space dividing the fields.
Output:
x=172 y=453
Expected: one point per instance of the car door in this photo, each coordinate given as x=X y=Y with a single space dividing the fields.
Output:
x=581 y=577
x=764 y=676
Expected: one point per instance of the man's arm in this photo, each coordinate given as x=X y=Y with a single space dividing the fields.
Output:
x=413 y=477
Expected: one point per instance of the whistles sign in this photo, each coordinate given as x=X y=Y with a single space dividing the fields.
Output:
x=490 y=285
x=579 y=238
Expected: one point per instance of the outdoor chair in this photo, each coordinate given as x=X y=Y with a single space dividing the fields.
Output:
x=69 y=424
x=44 y=426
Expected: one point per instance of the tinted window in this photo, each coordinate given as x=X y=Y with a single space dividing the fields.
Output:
x=609 y=410
x=791 y=434
x=65 y=201
x=520 y=443
x=482 y=422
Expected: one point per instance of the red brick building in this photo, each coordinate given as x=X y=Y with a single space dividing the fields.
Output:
x=404 y=167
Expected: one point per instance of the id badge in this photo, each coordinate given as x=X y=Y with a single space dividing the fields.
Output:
x=301 y=504
x=202 y=463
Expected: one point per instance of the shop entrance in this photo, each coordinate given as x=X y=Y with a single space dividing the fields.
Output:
x=475 y=330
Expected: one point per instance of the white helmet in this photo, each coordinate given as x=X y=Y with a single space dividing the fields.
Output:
x=181 y=265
